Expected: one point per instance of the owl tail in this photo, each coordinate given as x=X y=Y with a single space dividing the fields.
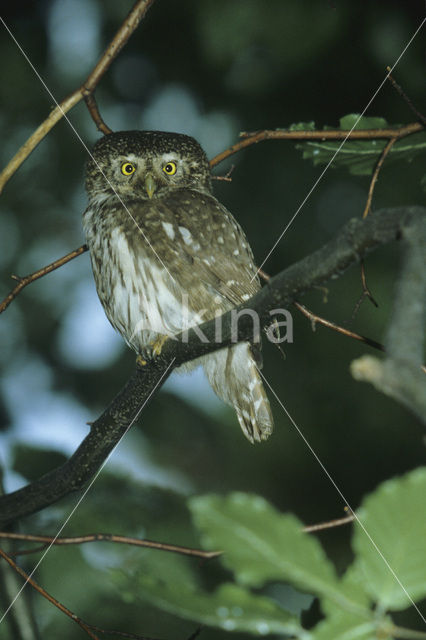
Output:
x=235 y=378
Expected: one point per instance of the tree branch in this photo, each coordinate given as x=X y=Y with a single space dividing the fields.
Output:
x=50 y=598
x=316 y=319
x=402 y=93
x=399 y=375
x=376 y=172
x=24 y=281
x=92 y=105
x=329 y=134
x=117 y=43
x=314 y=528
x=103 y=537
x=354 y=241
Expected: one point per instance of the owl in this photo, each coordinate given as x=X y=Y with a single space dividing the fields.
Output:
x=167 y=255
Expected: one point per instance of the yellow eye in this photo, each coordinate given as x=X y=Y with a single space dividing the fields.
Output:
x=127 y=169
x=170 y=168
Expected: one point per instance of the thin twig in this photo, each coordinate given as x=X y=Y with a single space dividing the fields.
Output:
x=402 y=93
x=108 y=537
x=329 y=525
x=227 y=176
x=26 y=280
x=314 y=318
x=366 y=293
x=91 y=104
x=333 y=134
x=376 y=172
x=117 y=43
x=47 y=595
x=365 y=285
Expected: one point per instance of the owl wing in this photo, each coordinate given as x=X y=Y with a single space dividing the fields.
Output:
x=216 y=245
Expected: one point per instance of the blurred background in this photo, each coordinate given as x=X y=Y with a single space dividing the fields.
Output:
x=210 y=69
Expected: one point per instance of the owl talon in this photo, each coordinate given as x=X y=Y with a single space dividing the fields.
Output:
x=152 y=351
x=140 y=362
x=158 y=344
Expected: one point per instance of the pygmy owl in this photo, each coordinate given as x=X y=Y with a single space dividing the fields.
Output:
x=166 y=255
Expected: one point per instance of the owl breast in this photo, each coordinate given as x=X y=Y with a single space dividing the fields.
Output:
x=140 y=297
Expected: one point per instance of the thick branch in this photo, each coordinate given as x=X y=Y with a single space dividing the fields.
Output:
x=350 y=245
x=400 y=375
x=354 y=241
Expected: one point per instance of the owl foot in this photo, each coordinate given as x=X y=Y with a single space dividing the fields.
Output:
x=158 y=344
x=151 y=351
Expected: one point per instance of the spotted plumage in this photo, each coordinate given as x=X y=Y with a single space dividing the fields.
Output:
x=166 y=255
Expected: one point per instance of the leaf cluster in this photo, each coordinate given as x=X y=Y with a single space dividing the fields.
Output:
x=359 y=157
x=262 y=547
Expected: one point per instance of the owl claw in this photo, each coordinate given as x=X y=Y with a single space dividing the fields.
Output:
x=151 y=351
x=157 y=345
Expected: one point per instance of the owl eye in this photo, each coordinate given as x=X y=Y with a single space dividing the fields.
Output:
x=170 y=168
x=127 y=169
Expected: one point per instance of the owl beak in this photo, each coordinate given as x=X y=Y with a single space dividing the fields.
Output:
x=150 y=185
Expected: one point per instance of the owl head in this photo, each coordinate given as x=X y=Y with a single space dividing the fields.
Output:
x=146 y=164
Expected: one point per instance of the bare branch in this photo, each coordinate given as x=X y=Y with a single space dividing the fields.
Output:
x=24 y=281
x=117 y=43
x=88 y=628
x=331 y=524
x=376 y=172
x=315 y=319
x=402 y=93
x=366 y=293
x=107 y=537
x=92 y=105
x=355 y=240
x=47 y=595
x=333 y=134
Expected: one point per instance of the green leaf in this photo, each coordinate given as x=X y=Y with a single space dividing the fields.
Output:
x=362 y=122
x=361 y=156
x=302 y=126
x=230 y=607
x=261 y=545
x=352 y=586
x=391 y=544
x=345 y=626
